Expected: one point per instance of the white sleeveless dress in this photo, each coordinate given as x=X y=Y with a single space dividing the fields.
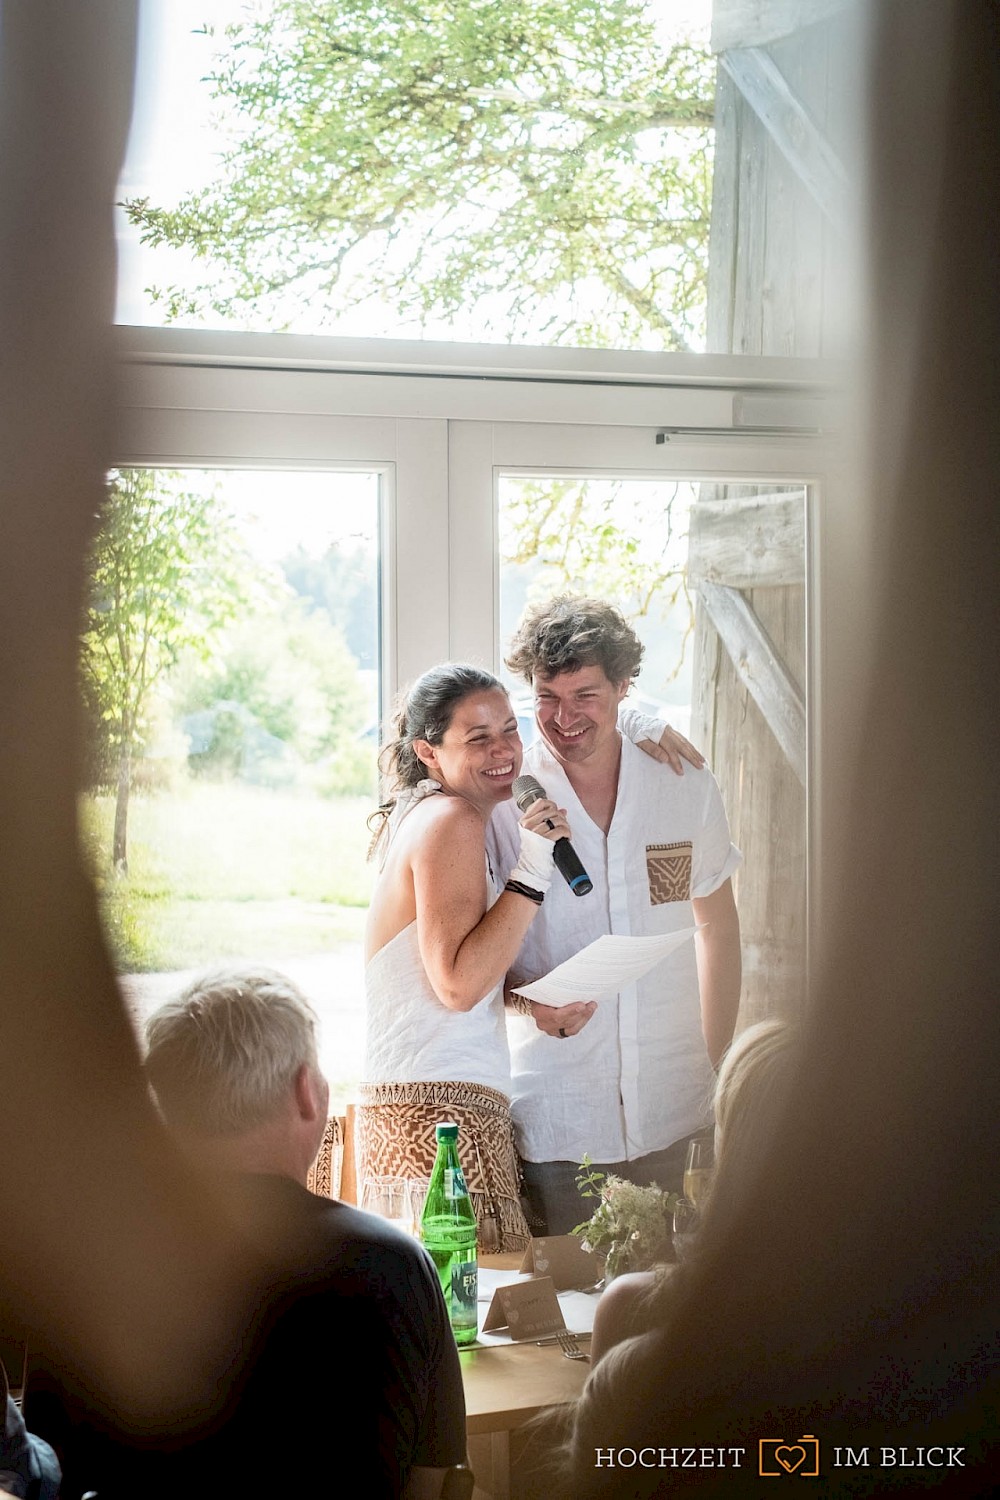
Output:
x=411 y=1035
x=425 y=1062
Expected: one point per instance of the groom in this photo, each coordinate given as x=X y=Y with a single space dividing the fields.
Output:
x=629 y=1080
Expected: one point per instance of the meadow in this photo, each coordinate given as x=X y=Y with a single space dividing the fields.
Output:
x=217 y=870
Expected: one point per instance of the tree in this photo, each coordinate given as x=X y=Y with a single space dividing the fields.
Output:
x=601 y=538
x=165 y=573
x=290 y=668
x=551 y=160
x=341 y=584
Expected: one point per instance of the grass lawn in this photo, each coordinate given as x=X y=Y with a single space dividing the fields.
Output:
x=220 y=871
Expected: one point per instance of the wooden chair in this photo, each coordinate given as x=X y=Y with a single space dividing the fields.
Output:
x=349 y=1176
x=326 y=1173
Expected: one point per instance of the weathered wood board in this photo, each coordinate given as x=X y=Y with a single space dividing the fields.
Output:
x=755 y=542
x=777 y=261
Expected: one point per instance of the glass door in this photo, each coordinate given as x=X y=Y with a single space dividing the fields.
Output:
x=703 y=546
x=231 y=672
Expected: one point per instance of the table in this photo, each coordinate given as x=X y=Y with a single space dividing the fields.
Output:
x=507 y=1384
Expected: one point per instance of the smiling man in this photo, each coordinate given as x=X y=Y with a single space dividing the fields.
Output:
x=628 y=1081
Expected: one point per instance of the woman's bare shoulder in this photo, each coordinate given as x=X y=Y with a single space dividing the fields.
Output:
x=445 y=822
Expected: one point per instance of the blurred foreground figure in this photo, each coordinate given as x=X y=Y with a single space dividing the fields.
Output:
x=850 y=1297
x=750 y=1090
x=29 y=1468
x=109 y=1251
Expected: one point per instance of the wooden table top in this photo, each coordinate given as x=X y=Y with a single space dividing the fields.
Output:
x=506 y=1384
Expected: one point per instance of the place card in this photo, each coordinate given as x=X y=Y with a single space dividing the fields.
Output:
x=562 y=1257
x=528 y=1309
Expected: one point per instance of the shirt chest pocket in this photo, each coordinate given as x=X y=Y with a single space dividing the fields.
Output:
x=668 y=872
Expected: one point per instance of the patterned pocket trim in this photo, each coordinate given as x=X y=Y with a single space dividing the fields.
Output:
x=668 y=871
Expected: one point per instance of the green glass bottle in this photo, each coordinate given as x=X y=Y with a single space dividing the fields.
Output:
x=448 y=1230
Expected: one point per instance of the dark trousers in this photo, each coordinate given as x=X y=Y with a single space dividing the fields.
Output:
x=552 y=1200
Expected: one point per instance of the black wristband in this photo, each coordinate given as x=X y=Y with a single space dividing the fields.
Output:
x=525 y=890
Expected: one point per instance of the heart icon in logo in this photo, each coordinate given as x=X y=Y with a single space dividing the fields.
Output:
x=791 y=1458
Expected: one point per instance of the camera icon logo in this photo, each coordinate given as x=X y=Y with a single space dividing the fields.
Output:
x=778 y=1457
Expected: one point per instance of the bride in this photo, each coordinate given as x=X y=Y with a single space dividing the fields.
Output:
x=443 y=929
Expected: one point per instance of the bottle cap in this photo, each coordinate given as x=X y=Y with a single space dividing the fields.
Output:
x=447 y=1130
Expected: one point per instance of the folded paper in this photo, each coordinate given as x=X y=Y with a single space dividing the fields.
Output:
x=528 y=1309
x=562 y=1257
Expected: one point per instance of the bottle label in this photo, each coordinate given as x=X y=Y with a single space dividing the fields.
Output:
x=454 y=1184
x=464 y=1292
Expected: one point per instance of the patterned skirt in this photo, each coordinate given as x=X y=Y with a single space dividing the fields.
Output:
x=395 y=1138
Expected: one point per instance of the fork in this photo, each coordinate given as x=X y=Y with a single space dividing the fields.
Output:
x=570 y=1347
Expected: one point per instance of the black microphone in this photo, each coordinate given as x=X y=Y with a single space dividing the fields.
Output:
x=527 y=790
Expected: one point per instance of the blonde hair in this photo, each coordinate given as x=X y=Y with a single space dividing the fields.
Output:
x=753 y=1080
x=223 y=1054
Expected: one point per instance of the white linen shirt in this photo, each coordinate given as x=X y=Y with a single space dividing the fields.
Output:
x=638 y=1076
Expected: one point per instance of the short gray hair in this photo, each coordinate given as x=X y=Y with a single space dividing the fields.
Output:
x=222 y=1055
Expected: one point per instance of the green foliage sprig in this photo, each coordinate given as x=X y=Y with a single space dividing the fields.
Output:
x=630 y=1226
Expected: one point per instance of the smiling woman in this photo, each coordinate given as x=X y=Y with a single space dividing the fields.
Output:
x=480 y=751
x=442 y=931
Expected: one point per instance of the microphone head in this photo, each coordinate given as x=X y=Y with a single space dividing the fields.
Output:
x=526 y=790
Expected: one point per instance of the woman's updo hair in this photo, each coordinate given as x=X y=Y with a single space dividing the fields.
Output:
x=424 y=712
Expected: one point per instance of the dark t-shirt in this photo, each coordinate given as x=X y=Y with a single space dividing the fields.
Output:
x=349 y=1376
x=359 y=1337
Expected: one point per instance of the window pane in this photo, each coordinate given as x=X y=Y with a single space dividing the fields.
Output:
x=517 y=173
x=624 y=540
x=713 y=581
x=465 y=172
x=231 y=672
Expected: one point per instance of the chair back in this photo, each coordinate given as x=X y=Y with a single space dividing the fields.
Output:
x=326 y=1173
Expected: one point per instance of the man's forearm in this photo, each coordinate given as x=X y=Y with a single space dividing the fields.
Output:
x=720 y=1000
x=720 y=974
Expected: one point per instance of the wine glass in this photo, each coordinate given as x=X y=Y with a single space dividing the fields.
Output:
x=389 y=1197
x=698 y=1170
x=686 y=1221
x=418 y=1193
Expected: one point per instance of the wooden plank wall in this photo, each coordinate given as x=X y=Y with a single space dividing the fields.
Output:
x=774 y=276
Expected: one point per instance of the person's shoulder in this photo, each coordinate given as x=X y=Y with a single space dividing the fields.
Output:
x=540 y=762
x=369 y=1243
x=538 y=757
x=441 y=825
x=340 y=1225
x=695 y=784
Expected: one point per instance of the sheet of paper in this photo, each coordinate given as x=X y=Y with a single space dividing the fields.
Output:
x=604 y=967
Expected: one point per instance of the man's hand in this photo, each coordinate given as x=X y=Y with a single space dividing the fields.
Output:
x=562 y=1020
x=672 y=750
